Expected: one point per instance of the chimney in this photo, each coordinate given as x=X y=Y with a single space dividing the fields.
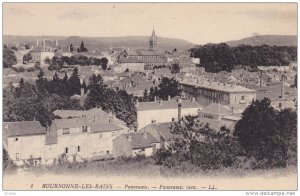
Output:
x=155 y=98
x=137 y=103
x=145 y=135
x=81 y=92
x=129 y=138
x=161 y=102
x=179 y=109
x=37 y=42
x=169 y=98
x=193 y=99
x=56 y=43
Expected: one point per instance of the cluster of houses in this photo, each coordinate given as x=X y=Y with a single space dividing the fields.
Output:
x=217 y=99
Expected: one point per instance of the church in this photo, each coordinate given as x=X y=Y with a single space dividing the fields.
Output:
x=142 y=59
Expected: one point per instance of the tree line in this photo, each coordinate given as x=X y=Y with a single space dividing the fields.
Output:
x=221 y=57
x=166 y=87
x=264 y=138
x=37 y=101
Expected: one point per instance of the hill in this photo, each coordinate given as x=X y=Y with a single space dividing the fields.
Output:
x=271 y=40
x=103 y=43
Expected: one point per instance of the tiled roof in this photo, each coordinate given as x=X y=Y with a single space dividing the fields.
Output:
x=163 y=129
x=23 y=128
x=132 y=56
x=70 y=123
x=144 y=52
x=216 y=124
x=172 y=104
x=37 y=49
x=215 y=108
x=104 y=127
x=219 y=87
x=138 y=140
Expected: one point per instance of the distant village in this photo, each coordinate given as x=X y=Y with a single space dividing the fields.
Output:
x=218 y=99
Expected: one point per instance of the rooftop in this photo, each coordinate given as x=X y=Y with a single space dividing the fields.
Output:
x=23 y=128
x=138 y=140
x=232 y=88
x=172 y=104
x=215 y=108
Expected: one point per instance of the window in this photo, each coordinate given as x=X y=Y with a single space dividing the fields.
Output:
x=107 y=152
x=66 y=150
x=173 y=119
x=17 y=139
x=279 y=105
x=78 y=148
x=243 y=97
x=84 y=129
x=17 y=156
x=208 y=116
x=66 y=131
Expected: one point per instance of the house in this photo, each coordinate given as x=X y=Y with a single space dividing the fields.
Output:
x=77 y=139
x=207 y=92
x=219 y=115
x=24 y=142
x=161 y=131
x=164 y=111
x=43 y=50
x=76 y=136
x=133 y=144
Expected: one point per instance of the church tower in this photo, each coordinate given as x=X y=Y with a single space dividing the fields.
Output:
x=153 y=41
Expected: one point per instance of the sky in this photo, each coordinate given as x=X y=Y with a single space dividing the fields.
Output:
x=198 y=23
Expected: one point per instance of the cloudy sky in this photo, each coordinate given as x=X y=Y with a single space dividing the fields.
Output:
x=198 y=23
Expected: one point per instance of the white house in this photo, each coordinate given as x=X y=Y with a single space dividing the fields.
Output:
x=164 y=111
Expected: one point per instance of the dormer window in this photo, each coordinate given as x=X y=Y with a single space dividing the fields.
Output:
x=84 y=129
x=66 y=131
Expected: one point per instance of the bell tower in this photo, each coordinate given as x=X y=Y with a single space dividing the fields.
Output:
x=153 y=40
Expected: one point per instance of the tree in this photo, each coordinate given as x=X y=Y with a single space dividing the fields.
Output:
x=74 y=83
x=103 y=62
x=27 y=58
x=82 y=48
x=145 y=95
x=27 y=46
x=261 y=132
x=71 y=48
x=195 y=143
x=9 y=58
x=168 y=87
x=175 y=68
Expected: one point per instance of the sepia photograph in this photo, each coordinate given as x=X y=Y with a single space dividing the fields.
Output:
x=150 y=97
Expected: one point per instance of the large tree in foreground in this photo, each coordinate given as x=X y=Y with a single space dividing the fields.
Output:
x=267 y=135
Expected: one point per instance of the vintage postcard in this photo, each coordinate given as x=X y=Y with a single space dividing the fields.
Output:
x=150 y=96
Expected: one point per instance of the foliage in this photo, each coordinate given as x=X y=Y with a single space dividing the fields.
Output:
x=110 y=100
x=221 y=57
x=7 y=162
x=267 y=135
x=168 y=87
x=82 y=48
x=27 y=58
x=36 y=102
x=199 y=145
x=9 y=58
x=175 y=68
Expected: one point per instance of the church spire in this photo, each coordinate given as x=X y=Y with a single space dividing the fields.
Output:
x=153 y=40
